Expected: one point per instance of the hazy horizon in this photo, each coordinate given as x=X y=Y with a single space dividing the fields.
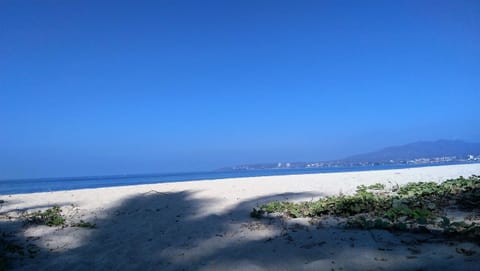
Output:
x=224 y=166
x=89 y=88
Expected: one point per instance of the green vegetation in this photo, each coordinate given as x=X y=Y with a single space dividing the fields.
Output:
x=51 y=217
x=418 y=206
x=84 y=224
x=377 y=186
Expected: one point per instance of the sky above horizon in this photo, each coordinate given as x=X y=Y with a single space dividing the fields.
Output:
x=117 y=87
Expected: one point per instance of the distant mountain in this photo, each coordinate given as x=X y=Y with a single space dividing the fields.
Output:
x=418 y=153
x=417 y=150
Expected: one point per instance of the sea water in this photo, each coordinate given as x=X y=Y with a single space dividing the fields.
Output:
x=57 y=184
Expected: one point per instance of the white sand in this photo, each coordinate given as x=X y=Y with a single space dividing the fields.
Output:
x=205 y=225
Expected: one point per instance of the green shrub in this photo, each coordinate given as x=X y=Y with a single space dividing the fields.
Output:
x=377 y=186
x=51 y=217
x=412 y=206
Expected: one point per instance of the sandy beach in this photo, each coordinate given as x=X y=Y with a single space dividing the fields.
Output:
x=205 y=225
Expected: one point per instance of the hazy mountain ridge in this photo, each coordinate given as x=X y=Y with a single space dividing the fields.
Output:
x=417 y=150
x=421 y=152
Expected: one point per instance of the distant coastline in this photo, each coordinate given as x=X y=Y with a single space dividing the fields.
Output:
x=421 y=153
x=344 y=164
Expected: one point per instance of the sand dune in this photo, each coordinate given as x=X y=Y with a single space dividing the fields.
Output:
x=205 y=225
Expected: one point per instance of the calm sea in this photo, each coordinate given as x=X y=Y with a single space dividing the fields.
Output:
x=57 y=184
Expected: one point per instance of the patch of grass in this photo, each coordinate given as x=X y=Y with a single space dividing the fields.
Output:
x=414 y=206
x=51 y=217
x=84 y=224
x=377 y=186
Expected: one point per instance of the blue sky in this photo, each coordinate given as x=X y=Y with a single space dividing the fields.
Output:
x=89 y=88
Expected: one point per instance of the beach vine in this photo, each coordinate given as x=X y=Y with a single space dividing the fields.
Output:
x=415 y=207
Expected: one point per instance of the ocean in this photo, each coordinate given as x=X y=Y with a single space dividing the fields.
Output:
x=20 y=186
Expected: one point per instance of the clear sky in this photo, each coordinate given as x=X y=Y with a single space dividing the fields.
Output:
x=99 y=87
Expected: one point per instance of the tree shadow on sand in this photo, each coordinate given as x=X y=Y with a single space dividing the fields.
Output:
x=179 y=231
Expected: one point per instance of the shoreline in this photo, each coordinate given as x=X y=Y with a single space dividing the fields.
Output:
x=228 y=179
x=205 y=225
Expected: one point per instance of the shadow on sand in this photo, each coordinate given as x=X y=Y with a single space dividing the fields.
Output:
x=179 y=231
